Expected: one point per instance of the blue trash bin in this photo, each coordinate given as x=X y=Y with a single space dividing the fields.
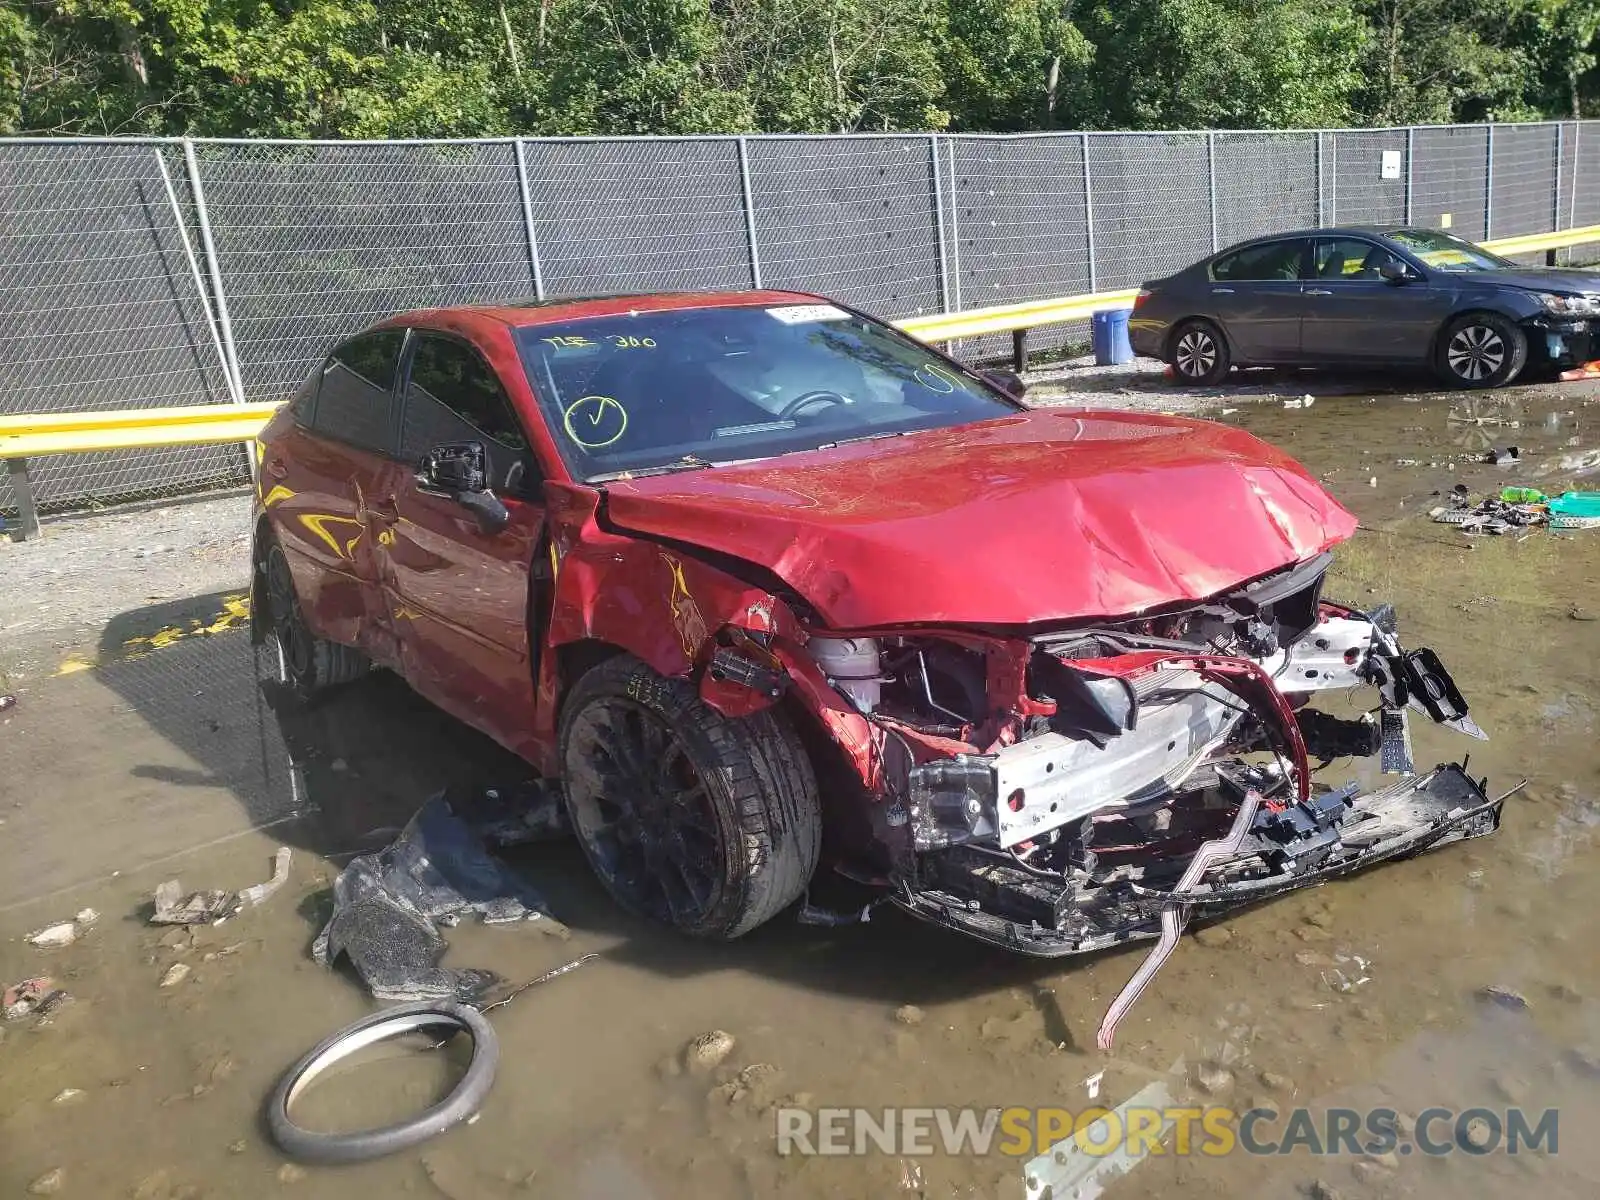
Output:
x=1109 y=335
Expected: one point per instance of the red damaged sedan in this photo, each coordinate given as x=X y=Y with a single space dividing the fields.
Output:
x=762 y=580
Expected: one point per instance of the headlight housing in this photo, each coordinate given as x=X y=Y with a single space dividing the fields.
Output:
x=1561 y=305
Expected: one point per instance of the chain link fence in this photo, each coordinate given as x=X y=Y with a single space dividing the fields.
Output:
x=139 y=273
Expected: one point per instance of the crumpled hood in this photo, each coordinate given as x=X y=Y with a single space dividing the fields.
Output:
x=1050 y=515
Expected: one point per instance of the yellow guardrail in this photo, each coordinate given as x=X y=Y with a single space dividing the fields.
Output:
x=36 y=434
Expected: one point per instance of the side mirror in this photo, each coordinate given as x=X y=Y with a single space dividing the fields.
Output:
x=1008 y=382
x=1395 y=274
x=460 y=470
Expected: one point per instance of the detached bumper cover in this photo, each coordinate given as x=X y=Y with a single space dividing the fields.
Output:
x=989 y=896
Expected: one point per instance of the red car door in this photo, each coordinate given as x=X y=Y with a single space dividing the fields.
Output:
x=458 y=594
x=319 y=483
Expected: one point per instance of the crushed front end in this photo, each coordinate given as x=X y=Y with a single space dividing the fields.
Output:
x=1059 y=792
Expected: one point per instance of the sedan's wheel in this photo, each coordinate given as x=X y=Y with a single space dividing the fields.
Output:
x=1200 y=353
x=704 y=822
x=1481 y=350
x=289 y=654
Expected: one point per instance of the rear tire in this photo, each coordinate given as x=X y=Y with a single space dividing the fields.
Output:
x=708 y=823
x=289 y=655
x=1199 y=353
x=1480 y=350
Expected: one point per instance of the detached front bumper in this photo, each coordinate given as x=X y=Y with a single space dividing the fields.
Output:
x=977 y=891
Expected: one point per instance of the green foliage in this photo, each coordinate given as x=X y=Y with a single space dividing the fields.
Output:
x=422 y=68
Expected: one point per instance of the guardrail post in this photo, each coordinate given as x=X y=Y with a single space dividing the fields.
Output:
x=224 y=319
x=22 y=489
x=1488 y=186
x=1411 y=157
x=1088 y=212
x=938 y=219
x=1211 y=171
x=1019 y=350
x=526 y=193
x=750 y=215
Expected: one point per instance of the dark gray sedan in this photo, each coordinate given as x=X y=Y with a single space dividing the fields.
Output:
x=1366 y=296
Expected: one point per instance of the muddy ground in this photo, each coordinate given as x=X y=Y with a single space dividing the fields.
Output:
x=140 y=750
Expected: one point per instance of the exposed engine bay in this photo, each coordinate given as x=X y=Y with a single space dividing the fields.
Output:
x=1075 y=789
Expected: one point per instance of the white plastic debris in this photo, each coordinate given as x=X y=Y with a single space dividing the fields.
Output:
x=51 y=937
x=1093 y=1084
x=1305 y=401
x=280 y=875
x=1068 y=1170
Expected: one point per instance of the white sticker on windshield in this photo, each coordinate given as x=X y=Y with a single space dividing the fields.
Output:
x=800 y=314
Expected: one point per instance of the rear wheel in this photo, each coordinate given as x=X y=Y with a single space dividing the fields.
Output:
x=1481 y=350
x=708 y=823
x=289 y=654
x=1199 y=353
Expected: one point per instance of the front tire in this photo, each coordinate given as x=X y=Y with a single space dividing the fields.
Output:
x=1199 y=353
x=1481 y=350
x=289 y=655
x=708 y=823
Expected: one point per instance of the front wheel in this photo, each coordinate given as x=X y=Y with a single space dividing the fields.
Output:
x=708 y=823
x=1481 y=350
x=1199 y=353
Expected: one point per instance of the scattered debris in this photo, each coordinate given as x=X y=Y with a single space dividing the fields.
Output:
x=86 y=917
x=215 y=907
x=1511 y=456
x=1588 y=370
x=36 y=997
x=1504 y=997
x=47 y=1184
x=1479 y=1134
x=1069 y=1169
x=1321 y=1189
x=909 y=1014
x=175 y=975
x=289 y=1173
x=1092 y=1084
x=1274 y=1082
x=67 y=1096
x=1213 y=1079
x=1304 y=402
x=260 y=893
x=705 y=1053
x=388 y=906
x=7 y=701
x=53 y=937
x=198 y=908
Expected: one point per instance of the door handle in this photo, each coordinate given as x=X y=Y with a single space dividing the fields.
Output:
x=1318 y=292
x=1222 y=291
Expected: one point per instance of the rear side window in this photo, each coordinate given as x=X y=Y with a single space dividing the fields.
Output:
x=454 y=395
x=1274 y=260
x=353 y=400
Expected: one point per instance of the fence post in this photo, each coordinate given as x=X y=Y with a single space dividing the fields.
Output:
x=1088 y=212
x=1321 y=218
x=1555 y=195
x=1572 y=187
x=1211 y=171
x=534 y=266
x=1488 y=186
x=1411 y=158
x=224 y=320
x=955 y=227
x=938 y=218
x=234 y=390
x=749 y=214
x=1333 y=178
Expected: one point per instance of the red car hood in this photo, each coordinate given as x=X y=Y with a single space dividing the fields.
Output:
x=1045 y=516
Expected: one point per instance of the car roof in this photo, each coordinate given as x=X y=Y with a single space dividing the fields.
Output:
x=521 y=314
x=1383 y=230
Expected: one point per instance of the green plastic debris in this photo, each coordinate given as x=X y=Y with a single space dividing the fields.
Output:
x=1522 y=495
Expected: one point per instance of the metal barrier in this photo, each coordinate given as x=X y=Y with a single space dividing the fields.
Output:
x=39 y=435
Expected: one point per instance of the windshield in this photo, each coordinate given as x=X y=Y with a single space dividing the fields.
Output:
x=1446 y=252
x=699 y=386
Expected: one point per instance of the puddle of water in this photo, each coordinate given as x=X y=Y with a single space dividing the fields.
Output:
x=114 y=768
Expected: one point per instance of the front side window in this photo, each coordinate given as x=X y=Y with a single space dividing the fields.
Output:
x=1272 y=260
x=1351 y=259
x=453 y=395
x=692 y=387
x=1446 y=252
x=353 y=399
